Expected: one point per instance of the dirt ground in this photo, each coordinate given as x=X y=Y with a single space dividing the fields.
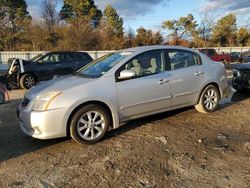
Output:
x=182 y=148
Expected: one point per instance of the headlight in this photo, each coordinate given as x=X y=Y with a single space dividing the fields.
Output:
x=236 y=73
x=43 y=101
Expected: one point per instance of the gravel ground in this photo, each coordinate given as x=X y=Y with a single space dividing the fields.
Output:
x=182 y=148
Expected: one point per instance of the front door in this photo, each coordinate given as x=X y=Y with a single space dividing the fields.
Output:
x=149 y=91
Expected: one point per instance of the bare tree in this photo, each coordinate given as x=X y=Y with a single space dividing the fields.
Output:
x=130 y=37
x=206 y=25
x=49 y=13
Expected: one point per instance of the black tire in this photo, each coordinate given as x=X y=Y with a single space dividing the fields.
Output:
x=27 y=81
x=201 y=106
x=75 y=124
x=2 y=98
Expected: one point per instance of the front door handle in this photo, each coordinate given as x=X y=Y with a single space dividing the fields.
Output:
x=163 y=81
x=198 y=73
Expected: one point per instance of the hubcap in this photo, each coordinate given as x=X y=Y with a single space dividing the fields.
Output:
x=29 y=81
x=210 y=99
x=90 y=125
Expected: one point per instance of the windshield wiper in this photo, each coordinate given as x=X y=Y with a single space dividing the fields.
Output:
x=86 y=76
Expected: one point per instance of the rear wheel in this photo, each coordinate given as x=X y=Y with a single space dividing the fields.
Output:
x=89 y=124
x=209 y=100
x=27 y=81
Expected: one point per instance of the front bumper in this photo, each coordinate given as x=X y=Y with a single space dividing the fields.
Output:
x=43 y=125
x=240 y=84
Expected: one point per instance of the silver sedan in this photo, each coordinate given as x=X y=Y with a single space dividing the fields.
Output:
x=119 y=87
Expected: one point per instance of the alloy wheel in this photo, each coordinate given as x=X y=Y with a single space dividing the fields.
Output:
x=210 y=99
x=91 y=125
x=30 y=81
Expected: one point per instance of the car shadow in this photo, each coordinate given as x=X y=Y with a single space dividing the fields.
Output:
x=13 y=142
x=233 y=98
x=133 y=124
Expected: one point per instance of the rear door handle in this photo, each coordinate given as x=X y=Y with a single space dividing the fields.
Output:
x=163 y=81
x=198 y=73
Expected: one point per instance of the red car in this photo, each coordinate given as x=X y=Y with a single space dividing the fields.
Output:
x=212 y=54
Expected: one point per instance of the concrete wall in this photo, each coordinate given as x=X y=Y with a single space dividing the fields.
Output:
x=4 y=56
x=231 y=49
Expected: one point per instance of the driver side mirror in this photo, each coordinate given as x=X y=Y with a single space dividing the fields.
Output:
x=126 y=74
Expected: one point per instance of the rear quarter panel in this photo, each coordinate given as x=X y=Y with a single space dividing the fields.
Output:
x=215 y=73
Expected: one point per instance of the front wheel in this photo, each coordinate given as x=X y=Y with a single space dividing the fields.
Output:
x=209 y=100
x=89 y=124
x=27 y=81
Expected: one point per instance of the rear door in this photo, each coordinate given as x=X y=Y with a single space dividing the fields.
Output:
x=68 y=63
x=82 y=59
x=187 y=76
x=73 y=61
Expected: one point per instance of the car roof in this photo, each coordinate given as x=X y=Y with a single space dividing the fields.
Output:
x=156 y=47
x=63 y=52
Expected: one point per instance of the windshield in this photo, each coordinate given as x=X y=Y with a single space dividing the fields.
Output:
x=102 y=65
x=36 y=57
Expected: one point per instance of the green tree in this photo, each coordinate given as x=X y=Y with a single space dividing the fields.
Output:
x=114 y=20
x=76 y=9
x=147 y=37
x=14 y=20
x=184 y=25
x=242 y=36
x=157 y=38
x=224 y=32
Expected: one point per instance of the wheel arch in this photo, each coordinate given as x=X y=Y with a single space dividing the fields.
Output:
x=204 y=87
x=32 y=73
x=113 y=119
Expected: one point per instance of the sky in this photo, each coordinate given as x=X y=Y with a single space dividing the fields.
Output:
x=151 y=13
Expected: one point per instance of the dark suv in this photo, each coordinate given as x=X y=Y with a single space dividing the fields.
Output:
x=44 y=67
x=241 y=77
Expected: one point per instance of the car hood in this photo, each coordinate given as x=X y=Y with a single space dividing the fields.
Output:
x=243 y=66
x=57 y=84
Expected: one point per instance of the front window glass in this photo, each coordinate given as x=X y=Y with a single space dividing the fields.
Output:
x=147 y=63
x=36 y=57
x=52 y=58
x=211 y=53
x=102 y=65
